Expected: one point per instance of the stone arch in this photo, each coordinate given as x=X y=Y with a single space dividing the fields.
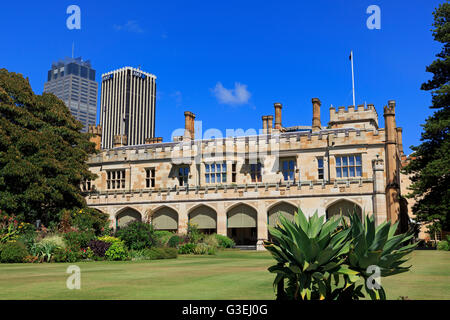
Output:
x=126 y=215
x=242 y=224
x=343 y=207
x=205 y=217
x=234 y=205
x=283 y=207
x=164 y=218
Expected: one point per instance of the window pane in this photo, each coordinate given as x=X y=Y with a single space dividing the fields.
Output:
x=291 y=164
x=213 y=178
x=345 y=172
x=285 y=165
x=351 y=161
x=358 y=171
x=207 y=178
x=338 y=161
x=291 y=175
x=207 y=167
x=351 y=171
x=186 y=171
x=213 y=168
x=224 y=177
x=224 y=167
x=218 y=167
x=338 y=172
x=358 y=160
x=320 y=162
x=344 y=161
x=218 y=177
x=285 y=175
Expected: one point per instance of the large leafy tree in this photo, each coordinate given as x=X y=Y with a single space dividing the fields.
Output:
x=43 y=153
x=430 y=165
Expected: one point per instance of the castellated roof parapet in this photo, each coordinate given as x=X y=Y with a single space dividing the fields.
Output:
x=353 y=115
x=97 y=130
x=390 y=108
x=292 y=141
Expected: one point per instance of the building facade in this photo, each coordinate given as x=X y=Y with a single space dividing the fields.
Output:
x=73 y=81
x=236 y=186
x=127 y=107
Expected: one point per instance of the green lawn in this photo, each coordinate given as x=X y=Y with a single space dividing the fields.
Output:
x=228 y=275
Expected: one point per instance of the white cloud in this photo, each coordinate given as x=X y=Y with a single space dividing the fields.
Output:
x=130 y=26
x=237 y=96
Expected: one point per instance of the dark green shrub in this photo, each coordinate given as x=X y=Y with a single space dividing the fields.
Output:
x=117 y=252
x=67 y=254
x=174 y=241
x=28 y=237
x=161 y=253
x=224 y=241
x=13 y=252
x=99 y=247
x=443 y=245
x=90 y=220
x=194 y=235
x=163 y=237
x=137 y=235
x=78 y=239
x=187 y=248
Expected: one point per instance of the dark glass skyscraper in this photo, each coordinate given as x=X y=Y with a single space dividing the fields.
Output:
x=73 y=81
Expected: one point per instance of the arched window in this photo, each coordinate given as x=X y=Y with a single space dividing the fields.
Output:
x=165 y=219
x=343 y=207
x=126 y=216
x=205 y=218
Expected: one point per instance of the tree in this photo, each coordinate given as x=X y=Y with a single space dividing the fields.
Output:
x=430 y=164
x=43 y=154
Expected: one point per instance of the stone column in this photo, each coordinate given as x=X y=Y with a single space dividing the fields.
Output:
x=261 y=225
x=379 y=196
x=392 y=187
x=182 y=219
x=221 y=219
x=400 y=140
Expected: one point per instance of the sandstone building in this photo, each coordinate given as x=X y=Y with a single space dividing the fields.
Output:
x=236 y=186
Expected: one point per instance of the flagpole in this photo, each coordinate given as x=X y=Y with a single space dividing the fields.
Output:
x=353 y=78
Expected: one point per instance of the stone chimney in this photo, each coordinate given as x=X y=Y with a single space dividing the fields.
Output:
x=120 y=140
x=264 y=120
x=153 y=140
x=316 y=125
x=278 y=107
x=189 y=133
x=269 y=124
x=96 y=131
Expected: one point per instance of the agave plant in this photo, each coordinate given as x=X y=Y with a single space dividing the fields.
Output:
x=315 y=256
x=378 y=246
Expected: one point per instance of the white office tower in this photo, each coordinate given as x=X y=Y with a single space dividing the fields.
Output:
x=127 y=108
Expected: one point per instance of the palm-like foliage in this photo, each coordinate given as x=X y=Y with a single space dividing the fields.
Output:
x=313 y=253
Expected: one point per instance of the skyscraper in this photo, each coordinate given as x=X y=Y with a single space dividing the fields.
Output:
x=127 y=107
x=73 y=81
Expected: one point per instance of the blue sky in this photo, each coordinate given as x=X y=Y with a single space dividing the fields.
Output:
x=229 y=61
